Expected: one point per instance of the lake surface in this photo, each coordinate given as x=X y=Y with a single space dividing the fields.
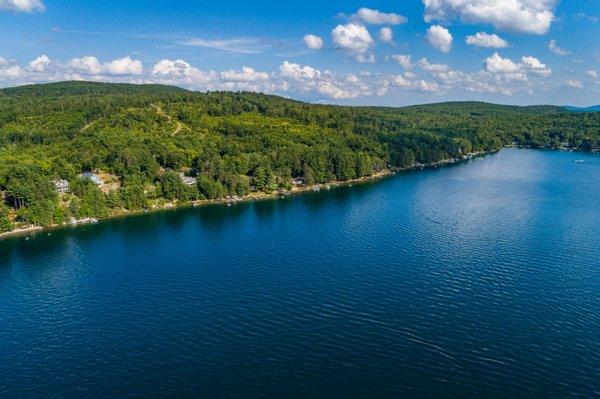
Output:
x=476 y=280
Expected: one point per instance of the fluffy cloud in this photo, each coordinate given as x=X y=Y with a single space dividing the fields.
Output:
x=87 y=65
x=386 y=35
x=424 y=85
x=482 y=39
x=483 y=81
x=405 y=61
x=573 y=84
x=440 y=38
x=124 y=66
x=592 y=73
x=21 y=5
x=313 y=42
x=181 y=72
x=426 y=66
x=497 y=64
x=511 y=70
x=352 y=37
x=534 y=66
x=409 y=81
x=508 y=70
x=245 y=75
x=298 y=72
x=335 y=91
x=526 y=16
x=306 y=79
x=376 y=17
x=365 y=58
x=176 y=68
x=11 y=72
x=553 y=46
x=39 y=64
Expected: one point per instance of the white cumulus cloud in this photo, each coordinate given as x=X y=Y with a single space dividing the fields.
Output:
x=247 y=74
x=440 y=38
x=313 y=42
x=335 y=91
x=124 y=66
x=592 y=73
x=526 y=16
x=404 y=60
x=482 y=39
x=352 y=37
x=175 y=71
x=426 y=66
x=497 y=64
x=554 y=47
x=39 y=64
x=535 y=66
x=365 y=58
x=87 y=65
x=386 y=35
x=297 y=72
x=21 y=5
x=11 y=72
x=376 y=17
x=573 y=83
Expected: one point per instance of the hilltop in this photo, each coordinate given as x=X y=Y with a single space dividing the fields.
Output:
x=78 y=88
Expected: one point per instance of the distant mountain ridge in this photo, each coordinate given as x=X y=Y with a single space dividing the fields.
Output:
x=593 y=108
x=74 y=88
x=80 y=88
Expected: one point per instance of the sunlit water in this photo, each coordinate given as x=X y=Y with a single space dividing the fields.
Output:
x=478 y=280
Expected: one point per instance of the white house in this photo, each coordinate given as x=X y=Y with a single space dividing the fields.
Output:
x=61 y=186
x=188 y=180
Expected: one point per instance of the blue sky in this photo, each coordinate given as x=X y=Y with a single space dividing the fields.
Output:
x=358 y=52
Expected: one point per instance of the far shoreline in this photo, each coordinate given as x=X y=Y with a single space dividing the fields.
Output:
x=32 y=231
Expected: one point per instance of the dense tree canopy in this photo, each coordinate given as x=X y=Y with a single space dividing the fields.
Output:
x=231 y=143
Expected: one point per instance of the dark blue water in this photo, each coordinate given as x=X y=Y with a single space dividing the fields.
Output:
x=473 y=281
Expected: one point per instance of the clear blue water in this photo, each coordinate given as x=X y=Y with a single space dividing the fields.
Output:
x=476 y=280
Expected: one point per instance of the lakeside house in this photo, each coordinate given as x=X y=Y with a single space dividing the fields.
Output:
x=188 y=180
x=297 y=181
x=61 y=186
x=94 y=178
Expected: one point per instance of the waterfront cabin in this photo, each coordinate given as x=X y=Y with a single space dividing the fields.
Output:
x=61 y=186
x=297 y=181
x=188 y=180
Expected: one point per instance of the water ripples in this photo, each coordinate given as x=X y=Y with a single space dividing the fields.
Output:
x=466 y=281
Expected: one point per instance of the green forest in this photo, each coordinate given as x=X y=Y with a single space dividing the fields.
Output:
x=152 y=145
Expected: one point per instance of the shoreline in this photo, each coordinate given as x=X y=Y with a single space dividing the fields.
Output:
x=296 y=190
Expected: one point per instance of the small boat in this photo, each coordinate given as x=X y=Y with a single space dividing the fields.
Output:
x=579 y=161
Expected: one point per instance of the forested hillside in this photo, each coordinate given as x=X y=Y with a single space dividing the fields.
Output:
x=153 y=144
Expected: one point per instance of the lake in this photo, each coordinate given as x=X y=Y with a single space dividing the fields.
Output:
x=480 y=279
